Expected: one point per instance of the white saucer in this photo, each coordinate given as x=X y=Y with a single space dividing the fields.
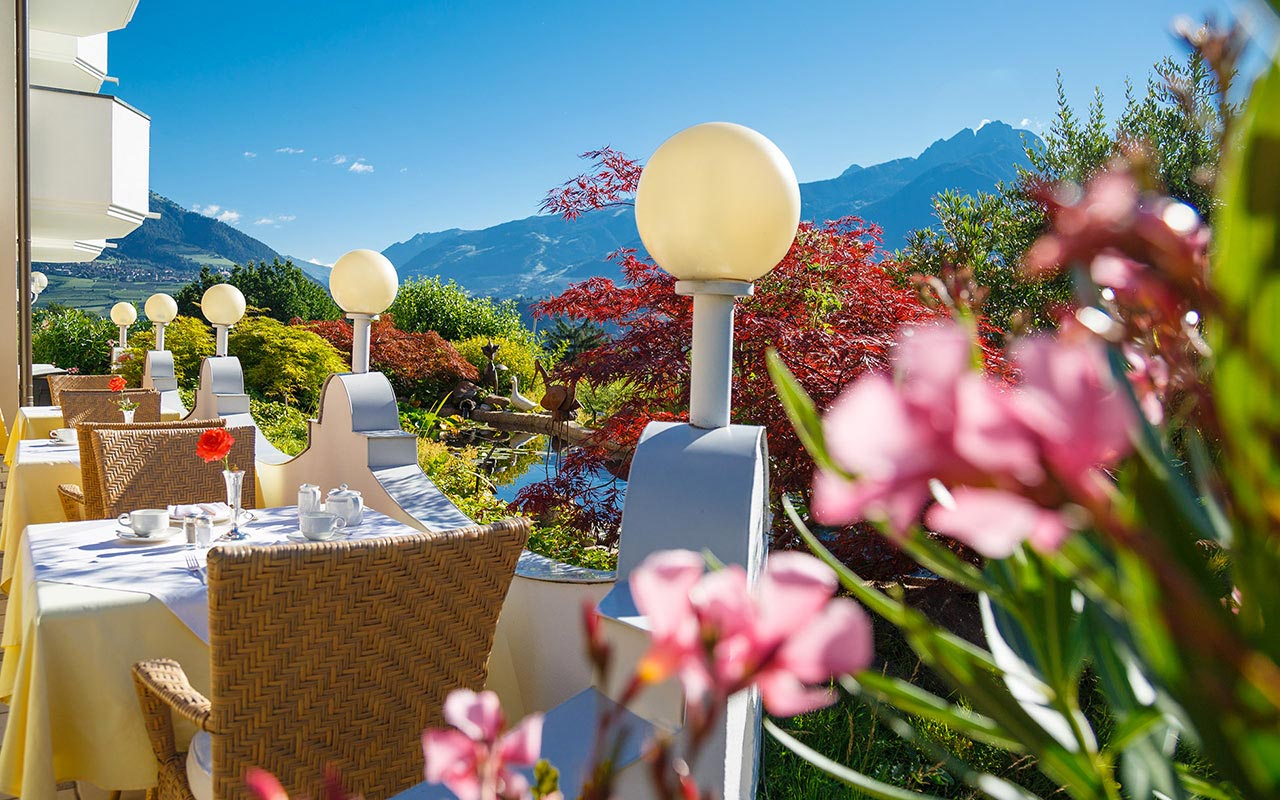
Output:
x=56 y=443
x=298 y=537
x=130 y=537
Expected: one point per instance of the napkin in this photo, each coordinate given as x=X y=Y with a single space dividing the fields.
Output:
x=214 y=510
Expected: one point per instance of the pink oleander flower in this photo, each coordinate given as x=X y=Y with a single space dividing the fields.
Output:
x=1000 y=461
x=718 y=635
x=474 y=758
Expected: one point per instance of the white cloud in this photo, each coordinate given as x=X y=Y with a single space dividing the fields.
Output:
x=360 y=167
x=286 y=217
x=229 y=217
x=338 y=159
x=264 y=221
x=983 y=124
x=210 y=210
x=250 y=154
x=404 y=169
x=291 y=151
x=319 y=263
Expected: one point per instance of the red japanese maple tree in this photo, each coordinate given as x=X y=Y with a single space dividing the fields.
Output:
x=830 y=307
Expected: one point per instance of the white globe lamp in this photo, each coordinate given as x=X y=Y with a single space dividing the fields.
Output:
x=123 y=315
x=39 y=282
x=717 y=207
x=161 y=309
x=223 y=306
x=363 y=284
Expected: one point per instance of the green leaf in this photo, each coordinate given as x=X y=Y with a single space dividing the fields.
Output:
x=802 y=413
x=1246 y=375
x=911 y=699
x=863 y=783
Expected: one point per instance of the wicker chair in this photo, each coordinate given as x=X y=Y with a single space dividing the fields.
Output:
x=331 y=653
x=158 y=467
x=84 y=500
x=104 y=406
x=57 y=383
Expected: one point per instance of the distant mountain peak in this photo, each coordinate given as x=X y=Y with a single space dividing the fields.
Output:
x=542 y=254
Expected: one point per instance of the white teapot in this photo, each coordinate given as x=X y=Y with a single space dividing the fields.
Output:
x=346 y=503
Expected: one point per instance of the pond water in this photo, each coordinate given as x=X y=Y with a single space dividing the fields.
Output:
x=520 y=460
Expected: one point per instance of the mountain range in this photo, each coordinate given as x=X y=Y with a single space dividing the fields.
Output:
x=540 y=255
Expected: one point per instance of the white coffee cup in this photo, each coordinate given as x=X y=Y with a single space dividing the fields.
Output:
x=320 y=525
x=145 y=521
x=64 y=435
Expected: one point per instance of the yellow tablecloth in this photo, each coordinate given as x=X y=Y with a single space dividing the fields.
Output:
x=31 y=498
x=36 y=422
x=73 y=713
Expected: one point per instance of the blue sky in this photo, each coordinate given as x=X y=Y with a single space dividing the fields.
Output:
x=319 y=127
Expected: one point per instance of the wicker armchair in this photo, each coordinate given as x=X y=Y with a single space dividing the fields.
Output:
x=57 y=383
x=331 y=653
x=84 y=500
x=158 y=467
x=104 y=406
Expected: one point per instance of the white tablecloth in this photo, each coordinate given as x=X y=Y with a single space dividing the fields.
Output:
x=35 y=469
x=92 y=556
x=69 y=644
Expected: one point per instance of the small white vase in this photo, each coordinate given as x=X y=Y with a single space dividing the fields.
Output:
x=128 y=414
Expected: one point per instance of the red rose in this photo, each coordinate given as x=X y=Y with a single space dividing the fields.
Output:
x=214 y=444
x=116 y=384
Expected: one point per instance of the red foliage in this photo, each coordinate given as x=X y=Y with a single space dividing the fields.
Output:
x=422 y=367
x=612 y=178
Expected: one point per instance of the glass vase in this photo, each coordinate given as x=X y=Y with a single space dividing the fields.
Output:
x=128 y=414
x=235 y=485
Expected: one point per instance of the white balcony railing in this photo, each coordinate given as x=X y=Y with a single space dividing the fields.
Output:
x=68 y=62
x=80 y=17
x=90 y=157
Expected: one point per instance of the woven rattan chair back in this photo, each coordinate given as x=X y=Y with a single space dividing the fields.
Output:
x=159 y=467
x=342 y=653
x=91 y=405
x=90 y=479
x=57 y=383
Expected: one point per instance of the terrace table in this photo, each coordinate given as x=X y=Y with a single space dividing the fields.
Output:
x=68 y=648
x=31 y=497
x=37 y=422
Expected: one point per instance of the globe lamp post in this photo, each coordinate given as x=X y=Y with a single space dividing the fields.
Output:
x=223 y=306
x=161 y=309
x=717 y=207
x=363 y=284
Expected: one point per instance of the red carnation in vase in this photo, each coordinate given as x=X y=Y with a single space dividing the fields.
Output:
x=215 y=444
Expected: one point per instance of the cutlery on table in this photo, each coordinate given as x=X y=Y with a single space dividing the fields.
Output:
x=193 y=566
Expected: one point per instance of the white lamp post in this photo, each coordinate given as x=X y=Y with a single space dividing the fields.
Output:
x=39 y=282
x=161 y=309
x=363 y=284
x=123 y=315
x=718 y=206
x=223 y=306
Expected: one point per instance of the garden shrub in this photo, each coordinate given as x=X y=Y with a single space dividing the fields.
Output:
x=189 y=339
x=517 y=354
x=284 y=363
x=74 y=340
x=422 y=367
x=427 y=304
x=283 y=425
